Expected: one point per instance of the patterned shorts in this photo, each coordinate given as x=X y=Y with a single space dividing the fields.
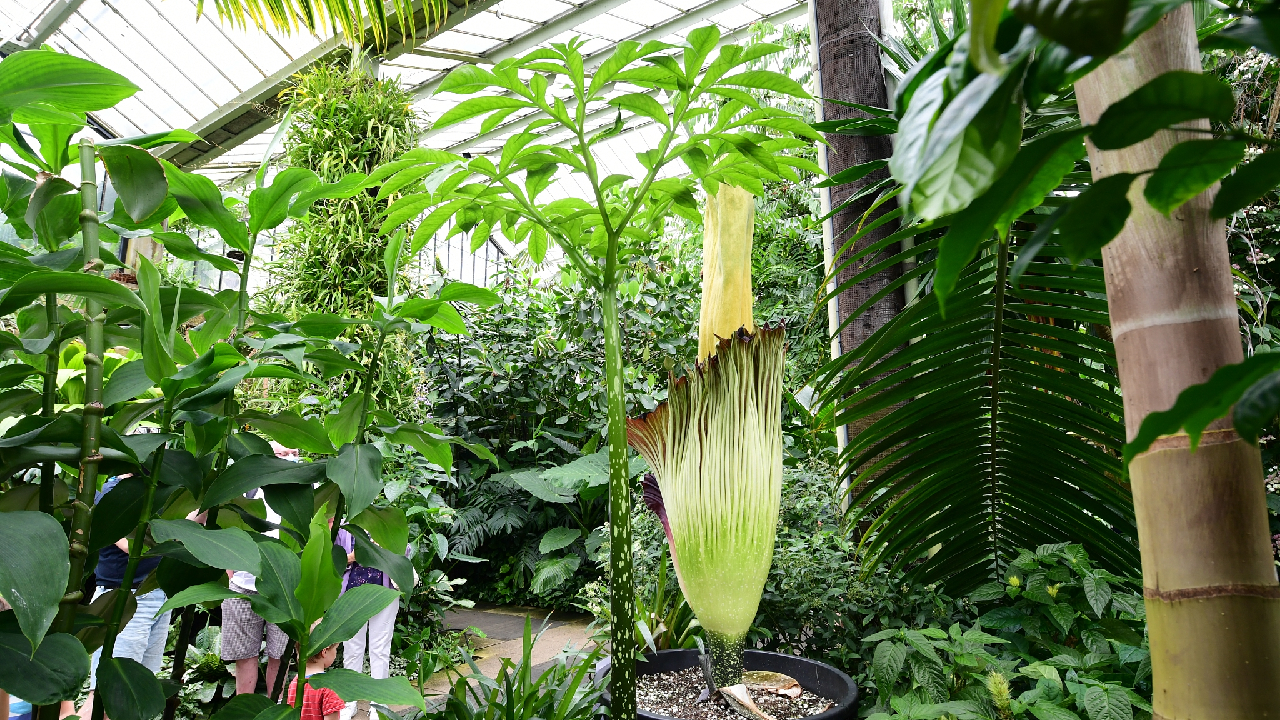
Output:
x=242 y=630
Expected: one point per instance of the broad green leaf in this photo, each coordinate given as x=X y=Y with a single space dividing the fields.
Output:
x=175 y=576
x=1174 y=97
x=63 y=81
x=201 y=200
x=137 y=177
x=118 y=512
x=126 y=383
x=358 y=471
x=908 y=151
x=293 y=503
x=532 y=483
x=468 y=109
x=975 y=225
x=1247 y=184
x=33 y=576
x=1044 y=710
x=257 y=471
x=1097 y=591
x=1190 y=168
x=352 y=686
x=557 y=538
x=55 y=673
x=643 y=104
x=319 y=584
x=128 y=689
x=344 y=426
x=1049 y=176
x=394 y=564
x=43 y=195
x=291 y=430
x=447 y=319
x=269 y=206
x=184 y=248
x=766 y=80
x=468 y=293
x=244 y=707
x=347 y=186
x=387 y=526
x=279 y=577
x=325 y=325
x=466 y=79
x=206 y=593
x=1107 y=703
x=1087 y=27
x=886 y=664
x=1257 y=407
x=1095 y=217
x=231 y=548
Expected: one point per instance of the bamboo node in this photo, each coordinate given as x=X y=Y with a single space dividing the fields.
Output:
x=94 y=266
x=1182 y=441
x=92 y=359
x=1269 y=592
x=94 y=458
x=93 y=408
x=73 y=597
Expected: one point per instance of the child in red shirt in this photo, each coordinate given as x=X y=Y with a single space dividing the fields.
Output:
x=318 y=703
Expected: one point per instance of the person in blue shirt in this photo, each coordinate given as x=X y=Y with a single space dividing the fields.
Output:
x=143 y=638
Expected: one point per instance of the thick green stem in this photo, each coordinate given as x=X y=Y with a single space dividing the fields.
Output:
x=48 y=470
x=242 y=301
x=622 y=597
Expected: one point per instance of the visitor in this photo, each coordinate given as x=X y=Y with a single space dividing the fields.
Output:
x=374 y=635
x=317 y=703
x=143 y=638
x=242 y=628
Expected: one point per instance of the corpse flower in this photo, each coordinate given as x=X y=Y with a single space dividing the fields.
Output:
x=715 y=445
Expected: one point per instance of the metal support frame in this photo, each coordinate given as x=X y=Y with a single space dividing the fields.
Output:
x=42 y=27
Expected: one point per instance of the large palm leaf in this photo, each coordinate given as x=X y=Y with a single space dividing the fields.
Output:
x=353 y=18
x=992 y=429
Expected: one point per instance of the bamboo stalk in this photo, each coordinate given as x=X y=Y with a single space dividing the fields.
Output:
x=48 y=470
x=180 y=660
x=1212 y=599
x=87 y=484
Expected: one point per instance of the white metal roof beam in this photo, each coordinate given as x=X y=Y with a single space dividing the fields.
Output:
x=42 y=28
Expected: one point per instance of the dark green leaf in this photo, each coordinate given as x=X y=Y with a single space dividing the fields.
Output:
x=128 y=689
x=294 y=503
x=244 y=707
x=358 y=471
x=1087 y=27
x=257 y=471
x=201 y=200
x=137 y=177
x=96 y=287
x=126 y=383
x=387 y=526
x=291 y=430
x=176 y=576
x=180 y=468
x=1257 y=407
x=269 y=206
x=347 y=186
x=208 y=592
x=184 y=248
x=1188 y=169
x=1174 y=97
x=231 y=548
x=343 y=426
x=33 y=576
x=1095 y=217
x=320 y=582
x=468 y=293
x=1247 y=184
x=349 y=613
x=57 y=671
x=351 y=686
x=280 y=576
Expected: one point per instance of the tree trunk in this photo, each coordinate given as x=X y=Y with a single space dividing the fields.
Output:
x=1209 y=579
x=849 y=69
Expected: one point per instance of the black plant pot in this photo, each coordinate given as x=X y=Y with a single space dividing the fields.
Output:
x=818 y=678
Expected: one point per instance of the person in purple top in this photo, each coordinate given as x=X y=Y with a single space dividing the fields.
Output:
x=375 y=636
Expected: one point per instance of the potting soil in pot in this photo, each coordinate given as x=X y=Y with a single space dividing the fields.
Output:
x=675 y=694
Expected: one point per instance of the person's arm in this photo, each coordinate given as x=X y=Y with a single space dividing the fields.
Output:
x=123 y=544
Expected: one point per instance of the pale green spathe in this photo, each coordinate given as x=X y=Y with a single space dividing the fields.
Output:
x=715 y=448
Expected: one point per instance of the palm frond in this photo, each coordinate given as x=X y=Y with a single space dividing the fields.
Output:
x=352 y=18
x=995 y=428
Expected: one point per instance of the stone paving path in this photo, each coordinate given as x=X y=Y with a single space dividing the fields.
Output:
x=503 y=627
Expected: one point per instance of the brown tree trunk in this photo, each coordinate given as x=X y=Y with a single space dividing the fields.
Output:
x=1213 y=605
x=849 y=69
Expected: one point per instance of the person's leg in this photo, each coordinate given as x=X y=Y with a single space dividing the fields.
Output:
x=241 y=642
x=157 y=628
x=353 y=650
x=381 y=627
x=276 y=643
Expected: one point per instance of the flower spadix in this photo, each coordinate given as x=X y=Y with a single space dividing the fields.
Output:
x=715 y=446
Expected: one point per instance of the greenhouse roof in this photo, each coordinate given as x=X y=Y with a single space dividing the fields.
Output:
x=223 y=83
